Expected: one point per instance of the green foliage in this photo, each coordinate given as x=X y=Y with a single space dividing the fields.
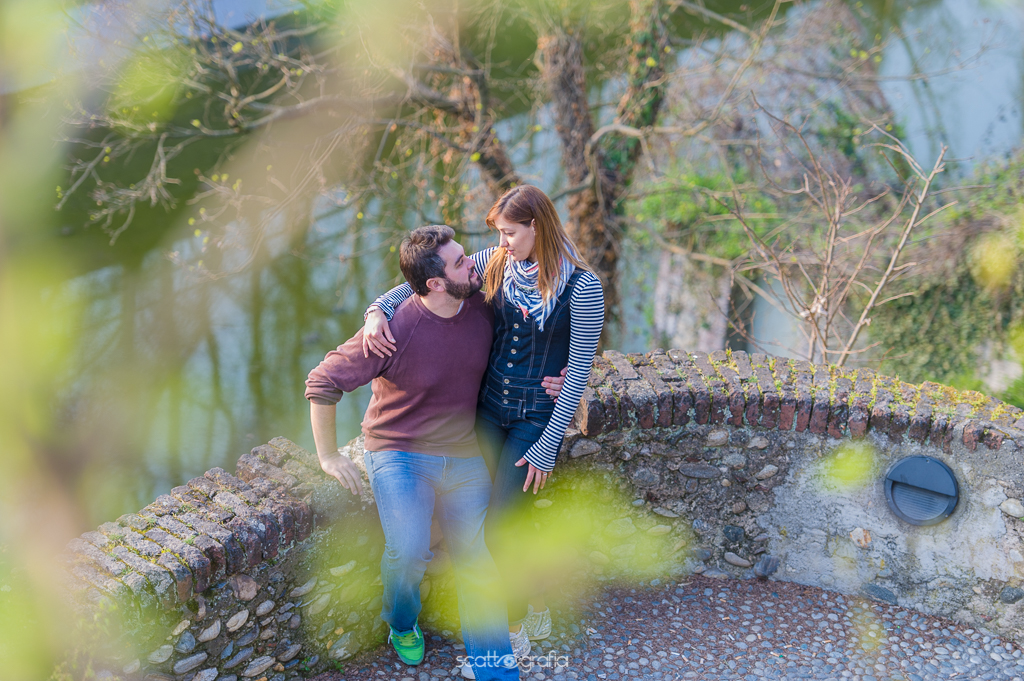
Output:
x=90 y=643
x=844 y=135
x=847 y=135
x=149 y=88
x=679 y=206
x=1015 y=393
x=848 y=468
x=996 y=187
x=937 y=334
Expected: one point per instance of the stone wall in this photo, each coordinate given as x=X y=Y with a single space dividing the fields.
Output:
x=724 y=464
x=235 y=577
x=752 y=452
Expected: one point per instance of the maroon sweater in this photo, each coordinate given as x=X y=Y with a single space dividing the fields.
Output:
x=425 y=394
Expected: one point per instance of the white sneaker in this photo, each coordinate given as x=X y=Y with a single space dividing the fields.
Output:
x=537 y=624
x=467 y=672
x=520 y=643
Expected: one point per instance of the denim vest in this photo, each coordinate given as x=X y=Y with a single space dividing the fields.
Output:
x=522 y=355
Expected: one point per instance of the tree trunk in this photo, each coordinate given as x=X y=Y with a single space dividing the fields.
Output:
x=470 y=99
x=498 y=171
x=691 y=303
x=595 y=212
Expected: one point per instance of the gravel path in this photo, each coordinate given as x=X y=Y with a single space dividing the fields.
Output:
x=704 y=628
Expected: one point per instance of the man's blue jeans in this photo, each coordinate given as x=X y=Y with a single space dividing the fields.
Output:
x=410 y=489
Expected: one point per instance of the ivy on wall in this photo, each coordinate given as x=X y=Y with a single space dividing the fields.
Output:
x=974 y=300
x=935 y=335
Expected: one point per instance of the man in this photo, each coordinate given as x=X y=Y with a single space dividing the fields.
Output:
x=422 y=456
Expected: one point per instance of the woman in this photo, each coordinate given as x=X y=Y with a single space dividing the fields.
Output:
x=548 y=313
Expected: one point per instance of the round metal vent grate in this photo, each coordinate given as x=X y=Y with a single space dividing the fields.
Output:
x=921 y=490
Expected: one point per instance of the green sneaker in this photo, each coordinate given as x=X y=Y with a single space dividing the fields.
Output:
x=408 y=645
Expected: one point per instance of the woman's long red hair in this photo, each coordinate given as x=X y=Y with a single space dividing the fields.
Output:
x=522 y=205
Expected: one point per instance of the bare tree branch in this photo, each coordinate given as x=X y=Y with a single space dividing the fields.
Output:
x=919 y=199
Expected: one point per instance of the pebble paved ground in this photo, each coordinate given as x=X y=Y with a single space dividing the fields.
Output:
x=703 y=628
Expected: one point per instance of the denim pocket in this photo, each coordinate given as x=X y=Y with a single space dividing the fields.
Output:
x=543 y=404
x=538 y=419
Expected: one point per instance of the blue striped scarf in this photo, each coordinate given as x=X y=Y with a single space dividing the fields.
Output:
x=520 y=286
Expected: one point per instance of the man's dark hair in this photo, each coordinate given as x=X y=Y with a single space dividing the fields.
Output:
x=418 y=256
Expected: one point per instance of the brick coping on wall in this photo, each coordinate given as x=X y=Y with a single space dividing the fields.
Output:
x=210 y=528
x=731 y=387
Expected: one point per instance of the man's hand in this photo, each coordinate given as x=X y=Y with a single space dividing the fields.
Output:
x=377 y=336
x=342 y=468
x=535 y=475
x=554 y=384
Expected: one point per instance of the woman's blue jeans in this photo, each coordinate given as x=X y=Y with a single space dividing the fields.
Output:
x=412 y=488
x=504 y=437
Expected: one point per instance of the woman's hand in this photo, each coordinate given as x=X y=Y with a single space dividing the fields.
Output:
x=377 y=336
x=554 y=384
x=535 y=475
x=342 y=468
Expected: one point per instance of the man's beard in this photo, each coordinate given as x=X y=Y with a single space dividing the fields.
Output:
x=463 y=291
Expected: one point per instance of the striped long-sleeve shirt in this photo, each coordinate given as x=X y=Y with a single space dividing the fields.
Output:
x=586 y=319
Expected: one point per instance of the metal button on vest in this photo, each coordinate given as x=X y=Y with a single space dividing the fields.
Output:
x=510 y=363
x=505 y=391
x=513 y=351
x=515 y=326
x=515 y=337
x=506 y=380
x=504 y=401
